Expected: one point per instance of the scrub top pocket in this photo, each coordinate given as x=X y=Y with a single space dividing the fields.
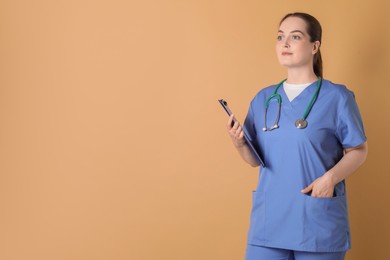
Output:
x=326 y=223
x=257 y=219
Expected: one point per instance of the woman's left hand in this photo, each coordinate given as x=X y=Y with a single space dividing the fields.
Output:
x=322 y=187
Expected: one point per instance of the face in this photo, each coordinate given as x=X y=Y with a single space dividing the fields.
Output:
x=293 y=46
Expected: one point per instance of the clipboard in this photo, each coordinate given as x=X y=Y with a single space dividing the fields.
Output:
x=248 y=142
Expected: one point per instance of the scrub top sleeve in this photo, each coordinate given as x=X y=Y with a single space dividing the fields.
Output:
x=249 y=124
x=350 y=130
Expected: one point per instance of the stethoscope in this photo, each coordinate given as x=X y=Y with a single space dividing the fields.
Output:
x=300 y=123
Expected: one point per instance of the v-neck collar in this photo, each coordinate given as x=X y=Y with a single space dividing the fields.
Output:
x=304 y=96
x=299 y=104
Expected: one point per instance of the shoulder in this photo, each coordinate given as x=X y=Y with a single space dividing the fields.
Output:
x=264 y=93
x=258 y=101
x=335 y=88
x=338 y=91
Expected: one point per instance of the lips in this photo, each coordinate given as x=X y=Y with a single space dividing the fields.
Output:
x=286 y=53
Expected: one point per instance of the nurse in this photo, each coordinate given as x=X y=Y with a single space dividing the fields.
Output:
x=300 y=206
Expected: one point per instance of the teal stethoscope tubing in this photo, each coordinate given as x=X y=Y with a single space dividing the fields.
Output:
x=300 y=123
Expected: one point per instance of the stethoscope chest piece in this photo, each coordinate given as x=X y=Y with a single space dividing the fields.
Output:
x=301 y=123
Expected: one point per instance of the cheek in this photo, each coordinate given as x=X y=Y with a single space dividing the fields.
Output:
x=277 y=49
x=305 y=50
x=277 y=46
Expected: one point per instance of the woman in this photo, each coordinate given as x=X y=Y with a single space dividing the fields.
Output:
x=309 y=145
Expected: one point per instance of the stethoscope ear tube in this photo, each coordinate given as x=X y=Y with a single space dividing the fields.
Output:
x=279 y=98
x=275 y=125
x=313 y=99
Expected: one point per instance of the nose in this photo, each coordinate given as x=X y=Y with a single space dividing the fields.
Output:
x=286 y=43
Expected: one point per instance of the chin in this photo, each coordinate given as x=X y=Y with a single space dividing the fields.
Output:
x=286 y=64
x=285 y=61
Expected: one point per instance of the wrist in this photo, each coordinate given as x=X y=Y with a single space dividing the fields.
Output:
x=332 y=177
x=240 y=144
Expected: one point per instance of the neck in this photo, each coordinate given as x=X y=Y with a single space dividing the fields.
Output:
x=300 y=76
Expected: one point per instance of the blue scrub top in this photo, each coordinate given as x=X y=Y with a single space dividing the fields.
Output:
x=282 y=216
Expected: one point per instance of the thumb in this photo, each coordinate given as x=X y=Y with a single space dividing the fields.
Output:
x=307 y=189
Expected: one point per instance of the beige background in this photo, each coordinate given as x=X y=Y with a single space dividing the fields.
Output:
x=113 y=145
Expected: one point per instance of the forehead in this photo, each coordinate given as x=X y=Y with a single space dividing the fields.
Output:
x=293 y=24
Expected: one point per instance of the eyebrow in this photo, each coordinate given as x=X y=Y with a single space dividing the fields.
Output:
x=295 y=31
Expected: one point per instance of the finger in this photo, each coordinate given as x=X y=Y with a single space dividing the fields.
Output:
x=238 y=129
x=320 y=194
x=238 y=132
x=323 y=194
x=236 y=125
x=241 y=136
x=307 y=189
x=230 y=122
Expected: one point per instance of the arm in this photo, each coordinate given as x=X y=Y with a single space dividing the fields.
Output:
x=237 y=135
x=351 y=161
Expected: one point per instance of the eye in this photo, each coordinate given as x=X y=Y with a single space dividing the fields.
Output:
x=279 y=38
x=296 y=37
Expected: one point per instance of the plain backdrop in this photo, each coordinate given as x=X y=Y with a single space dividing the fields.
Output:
x=113 y=144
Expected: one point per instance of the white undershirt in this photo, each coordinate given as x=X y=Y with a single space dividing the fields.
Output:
x=293 y=90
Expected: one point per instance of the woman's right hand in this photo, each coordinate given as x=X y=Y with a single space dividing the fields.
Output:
x=235 y=132
x=237 y=135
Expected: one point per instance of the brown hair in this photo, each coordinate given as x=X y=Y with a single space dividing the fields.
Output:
x=315 y=32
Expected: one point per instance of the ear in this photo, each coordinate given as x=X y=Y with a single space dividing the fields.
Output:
x=316 y=47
